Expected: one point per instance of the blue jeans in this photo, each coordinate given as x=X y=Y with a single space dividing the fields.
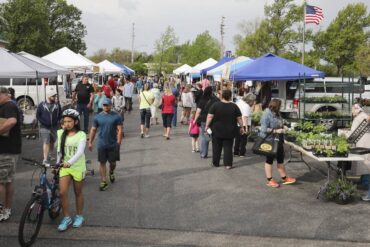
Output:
x=204 y=142
x=174 y=119
x=82 y=109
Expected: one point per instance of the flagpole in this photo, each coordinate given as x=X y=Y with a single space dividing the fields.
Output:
x=304 y=30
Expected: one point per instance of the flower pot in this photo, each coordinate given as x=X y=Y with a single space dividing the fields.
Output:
x=342 y=201
x=290 y=138
x=341 y=154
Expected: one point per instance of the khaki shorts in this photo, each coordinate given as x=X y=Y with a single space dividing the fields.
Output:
x=48 y=135
x=7 y=167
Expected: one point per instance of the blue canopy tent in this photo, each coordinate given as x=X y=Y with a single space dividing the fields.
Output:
x=270 y=67
x=126 y=70
x=222 y=61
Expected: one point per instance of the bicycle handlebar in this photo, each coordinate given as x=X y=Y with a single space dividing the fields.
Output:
x=35 y=162
x=31 y=160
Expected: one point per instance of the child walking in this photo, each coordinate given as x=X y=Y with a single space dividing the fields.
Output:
x=118 y=102
x=98 y=99
x=194 y=133
x=71 y=157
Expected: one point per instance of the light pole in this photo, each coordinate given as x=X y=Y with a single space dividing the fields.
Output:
x=132 y=42
x=222 y=32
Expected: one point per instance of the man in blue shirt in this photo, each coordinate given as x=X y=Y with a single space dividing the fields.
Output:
x=110 y=124
x=139 y=85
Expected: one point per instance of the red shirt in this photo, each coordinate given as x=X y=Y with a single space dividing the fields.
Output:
x=168 y=102
x=107 y=90
x=112 y=84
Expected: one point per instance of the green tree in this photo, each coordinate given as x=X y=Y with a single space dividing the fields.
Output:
x=344 y=36
x=362 y=59
x=120 y=56
x=99 y=55
x=66 y=28
x=203 y=47
x=42 y=26
x=166 y=41
x=140 y=68
x=276 y=33
x=26 y=25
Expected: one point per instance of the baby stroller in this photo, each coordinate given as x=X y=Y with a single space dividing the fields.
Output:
x=89 y=171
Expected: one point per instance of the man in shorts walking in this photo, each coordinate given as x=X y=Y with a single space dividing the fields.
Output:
x=84 y=94
x=10 y=148
x=48 y=114
x=110 y=125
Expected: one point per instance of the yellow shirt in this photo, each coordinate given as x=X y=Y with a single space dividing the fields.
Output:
x=146 y=99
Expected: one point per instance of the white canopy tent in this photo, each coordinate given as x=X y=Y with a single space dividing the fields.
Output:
x=232 y=66
x=108 y=67
x=68 y=59
x=181 y=69
x=195 y=71
x=15 y=66
x=61 y=70
x=94 y=66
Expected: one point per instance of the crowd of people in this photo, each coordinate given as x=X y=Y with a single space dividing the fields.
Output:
x=210 y=115
x=209 y=112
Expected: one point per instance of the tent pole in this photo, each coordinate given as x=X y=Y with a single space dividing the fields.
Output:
x=27 y=93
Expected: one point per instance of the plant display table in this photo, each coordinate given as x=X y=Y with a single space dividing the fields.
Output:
x=327 y=160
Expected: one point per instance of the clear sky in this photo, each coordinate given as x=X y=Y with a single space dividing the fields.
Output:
x=109 y=22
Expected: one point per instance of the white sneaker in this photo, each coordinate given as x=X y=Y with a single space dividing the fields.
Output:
x=5 y=214
x=46 y=163
x=147 y=136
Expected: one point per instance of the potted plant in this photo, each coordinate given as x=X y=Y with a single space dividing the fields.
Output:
x=342 y=147
x=319 y=128
x=340 y=190
x=328 y=152
x=291 y=135
x=256 y=118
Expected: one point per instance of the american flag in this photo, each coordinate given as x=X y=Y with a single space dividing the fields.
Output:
x=313 y=14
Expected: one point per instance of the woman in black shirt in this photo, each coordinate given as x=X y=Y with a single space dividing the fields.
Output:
x=205 y=102
x=223 y=117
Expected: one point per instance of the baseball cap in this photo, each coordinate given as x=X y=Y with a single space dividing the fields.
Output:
x=4 y=90
x=51 y=94
x=107 y=101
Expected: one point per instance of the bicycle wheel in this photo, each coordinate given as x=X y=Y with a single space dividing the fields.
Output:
x=55 y=205
x=31 y=221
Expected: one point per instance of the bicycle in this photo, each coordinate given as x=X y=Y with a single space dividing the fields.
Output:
x=44 y=196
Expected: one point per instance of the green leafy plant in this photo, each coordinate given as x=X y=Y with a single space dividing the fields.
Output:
x=340 y=190
x=305 y=126
x=256 y=117
x=342 y=145
x=326 y=115
x=325 y=99
x=319 y=129
x=292 y=135
x=328 y=152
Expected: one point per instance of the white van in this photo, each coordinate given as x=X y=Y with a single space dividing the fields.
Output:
x=329 y=87
x=28 y=95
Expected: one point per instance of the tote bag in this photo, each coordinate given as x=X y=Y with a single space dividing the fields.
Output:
x=266 y=147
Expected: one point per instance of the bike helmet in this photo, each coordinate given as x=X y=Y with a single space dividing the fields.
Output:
x=72 y=113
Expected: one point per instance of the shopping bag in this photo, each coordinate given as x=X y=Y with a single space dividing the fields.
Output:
x=266 y=146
